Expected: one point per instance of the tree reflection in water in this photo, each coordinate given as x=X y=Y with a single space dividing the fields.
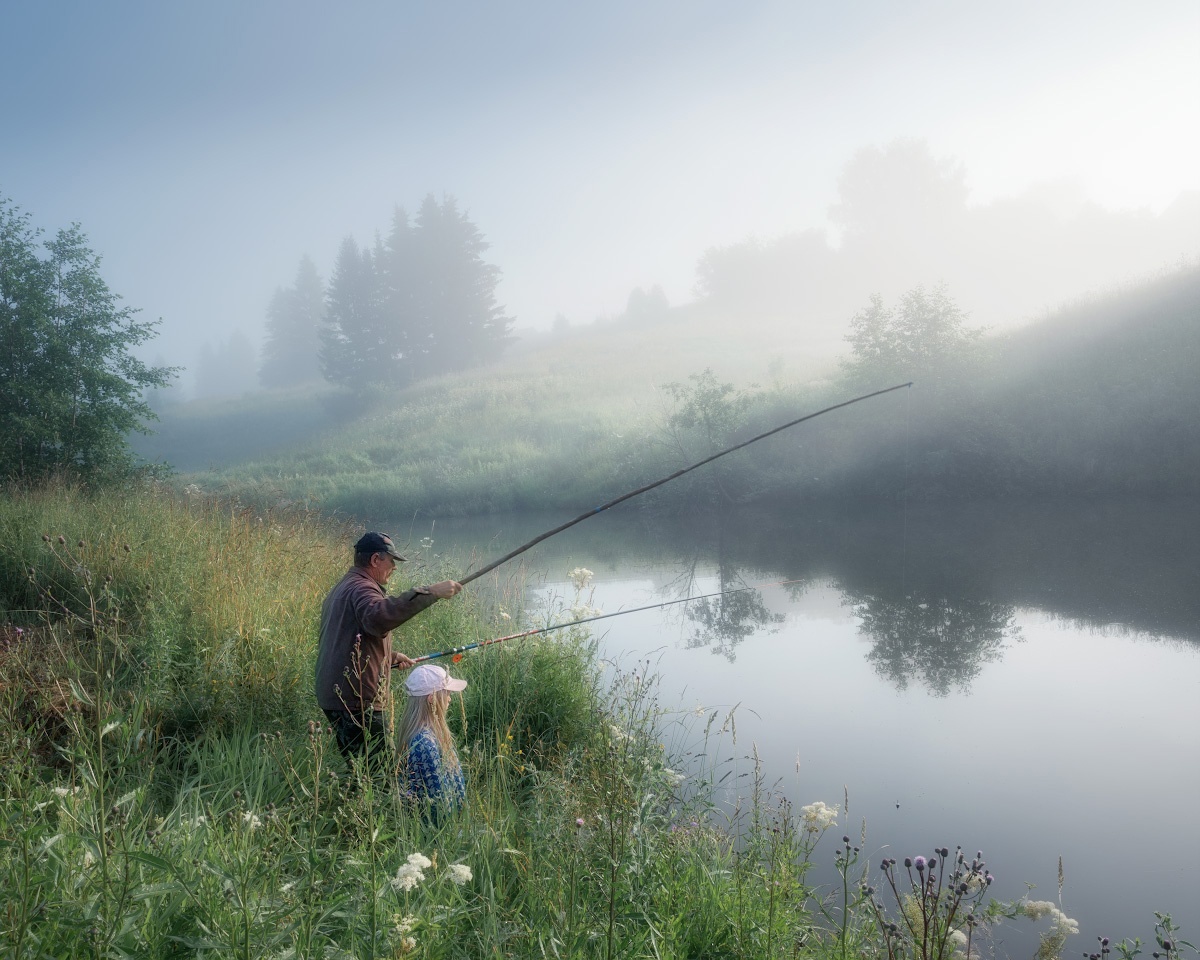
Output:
x=940 y=643
x=724 y=622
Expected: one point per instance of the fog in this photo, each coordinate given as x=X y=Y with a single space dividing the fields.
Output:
x=775 y=159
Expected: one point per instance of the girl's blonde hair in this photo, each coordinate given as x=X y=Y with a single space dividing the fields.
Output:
x=429 y=712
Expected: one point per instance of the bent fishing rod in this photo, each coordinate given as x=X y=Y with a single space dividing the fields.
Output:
x=455 y=653
x=658 y=483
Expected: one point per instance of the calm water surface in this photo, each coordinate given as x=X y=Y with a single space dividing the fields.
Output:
x=1024 y=682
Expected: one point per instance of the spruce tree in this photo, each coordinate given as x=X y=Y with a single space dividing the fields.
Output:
x=422 y=302
x=354 y=347
x=456 y=317
x=294 y=317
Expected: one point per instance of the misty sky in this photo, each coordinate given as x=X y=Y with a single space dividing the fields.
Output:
x=205 y=147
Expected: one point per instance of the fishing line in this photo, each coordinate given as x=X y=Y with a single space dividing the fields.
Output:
x=456 y=652
x=658 y=483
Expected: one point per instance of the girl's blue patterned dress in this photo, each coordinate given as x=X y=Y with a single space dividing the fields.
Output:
x=438 y=790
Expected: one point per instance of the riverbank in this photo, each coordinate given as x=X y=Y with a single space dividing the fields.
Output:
x=168 y=789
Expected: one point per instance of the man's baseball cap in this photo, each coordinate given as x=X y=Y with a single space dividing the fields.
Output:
x=378 y=543
x=427 y=678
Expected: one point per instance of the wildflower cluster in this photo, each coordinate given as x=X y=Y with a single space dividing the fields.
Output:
x=939 y=908
x=411 y=872
x=1037 y=909
x=817 y=817
x=581 y=577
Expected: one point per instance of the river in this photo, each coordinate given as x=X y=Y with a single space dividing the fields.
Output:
x=1018 y=679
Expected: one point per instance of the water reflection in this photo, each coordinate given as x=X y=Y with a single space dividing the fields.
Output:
x=934 y=641
x=723 y=622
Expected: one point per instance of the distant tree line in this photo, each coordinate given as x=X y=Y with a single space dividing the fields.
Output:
x=420 y=302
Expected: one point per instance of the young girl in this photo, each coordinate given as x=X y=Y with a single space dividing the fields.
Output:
x=435 y=777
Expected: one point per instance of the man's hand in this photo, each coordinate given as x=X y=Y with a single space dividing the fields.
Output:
x=401 y=662
x=445 y=590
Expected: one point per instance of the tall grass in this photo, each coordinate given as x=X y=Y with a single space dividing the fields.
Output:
x=169 y=790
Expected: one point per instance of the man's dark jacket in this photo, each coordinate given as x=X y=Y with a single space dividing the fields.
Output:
x=354 y=657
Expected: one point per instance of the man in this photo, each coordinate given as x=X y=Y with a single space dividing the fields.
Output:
x=355 y=657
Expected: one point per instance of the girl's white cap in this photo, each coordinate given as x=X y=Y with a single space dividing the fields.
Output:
x=427 y=678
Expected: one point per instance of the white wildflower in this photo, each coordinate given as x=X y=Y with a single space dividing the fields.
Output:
x=405 y=924
x=504 y=614
x=250 y=818
x=617 y=732
x=408 y=945
x=288 y=887
x=407 y=877
x=673 y=778
x=583 y=611
x=65 y=791
x=580 y=576
x=817 y=817
x=1061 y=924
x=1064 y=923
x=459 y=873
x=420 y=861
x=959 y=938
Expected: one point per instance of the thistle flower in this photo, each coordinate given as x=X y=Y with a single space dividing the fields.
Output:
x=919 y=863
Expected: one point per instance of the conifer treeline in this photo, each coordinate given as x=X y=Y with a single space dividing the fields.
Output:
x=420 y=302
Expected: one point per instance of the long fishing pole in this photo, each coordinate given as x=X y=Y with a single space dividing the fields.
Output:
x=658 y=483
x=457 y=652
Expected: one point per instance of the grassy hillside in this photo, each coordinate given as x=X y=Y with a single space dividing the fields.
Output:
x=553 y=426
x=1094 y=400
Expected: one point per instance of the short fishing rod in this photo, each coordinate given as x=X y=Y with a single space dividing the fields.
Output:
x=658 y=483
x=456 y=652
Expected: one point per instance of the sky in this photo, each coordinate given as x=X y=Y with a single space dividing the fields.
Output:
x=206 y=147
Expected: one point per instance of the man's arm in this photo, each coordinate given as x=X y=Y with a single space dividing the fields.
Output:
x=380 y=614
x=439 y=591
